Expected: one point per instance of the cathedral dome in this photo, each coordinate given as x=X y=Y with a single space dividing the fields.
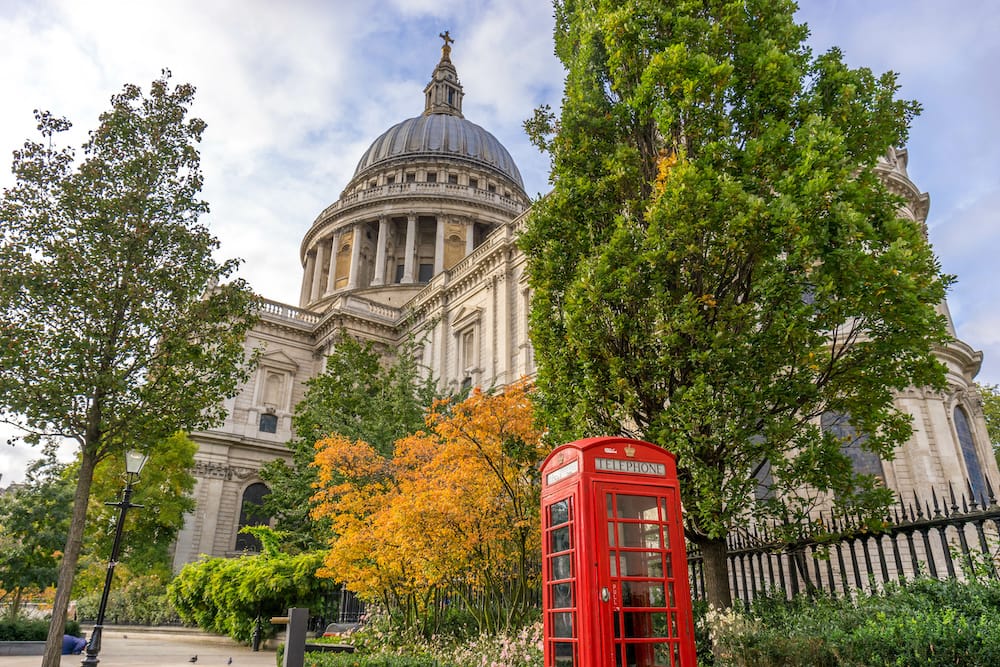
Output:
x=439 y=135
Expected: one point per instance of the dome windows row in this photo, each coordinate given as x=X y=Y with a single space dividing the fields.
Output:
x=472 y=180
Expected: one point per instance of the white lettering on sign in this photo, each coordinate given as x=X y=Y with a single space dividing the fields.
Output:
x=635 y=467
x=610 y=450
x=561 y=473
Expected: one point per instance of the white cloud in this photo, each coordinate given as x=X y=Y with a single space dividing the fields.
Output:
x=293 y=93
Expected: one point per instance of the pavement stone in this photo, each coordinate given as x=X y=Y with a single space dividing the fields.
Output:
x=133 y=647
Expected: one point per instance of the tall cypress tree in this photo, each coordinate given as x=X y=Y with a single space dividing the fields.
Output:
x=718 y=263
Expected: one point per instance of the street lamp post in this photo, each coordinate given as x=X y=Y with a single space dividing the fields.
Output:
x=133 y=466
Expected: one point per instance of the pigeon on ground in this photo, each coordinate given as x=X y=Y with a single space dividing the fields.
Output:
x=230 y=661
x=193 y=658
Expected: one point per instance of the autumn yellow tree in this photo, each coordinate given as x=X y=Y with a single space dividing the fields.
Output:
x=452 y=515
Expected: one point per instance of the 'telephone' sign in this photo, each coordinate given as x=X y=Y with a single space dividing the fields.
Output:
x=631 y=466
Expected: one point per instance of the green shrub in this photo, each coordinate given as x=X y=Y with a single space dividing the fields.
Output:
x=137 y=600
x=922 y=623
x=354 y=660
x=31 y=629
x=365 y=660
x=226 y=595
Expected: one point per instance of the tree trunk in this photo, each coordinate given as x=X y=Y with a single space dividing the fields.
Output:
x=71 y=555
x=716 y=571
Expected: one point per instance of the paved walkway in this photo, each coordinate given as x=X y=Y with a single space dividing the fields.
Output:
x=129 y=647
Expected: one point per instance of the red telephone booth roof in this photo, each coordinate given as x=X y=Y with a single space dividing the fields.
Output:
x=586 y=445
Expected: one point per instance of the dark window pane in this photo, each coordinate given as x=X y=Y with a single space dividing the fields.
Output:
x=252 y=515
x=968 y=446
x=765 y=482
x=864 y=461
x=268 y=423
x=426 y=273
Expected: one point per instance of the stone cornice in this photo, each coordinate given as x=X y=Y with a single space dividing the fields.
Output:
x=229 y=473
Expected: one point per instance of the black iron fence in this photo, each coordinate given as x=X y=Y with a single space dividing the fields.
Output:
x=941 y=536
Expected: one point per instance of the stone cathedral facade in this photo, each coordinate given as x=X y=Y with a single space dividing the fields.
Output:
x=421 y=243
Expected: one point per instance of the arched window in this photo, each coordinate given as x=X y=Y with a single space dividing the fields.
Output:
x=251 y=514
x=972 y=465
x=864 y=461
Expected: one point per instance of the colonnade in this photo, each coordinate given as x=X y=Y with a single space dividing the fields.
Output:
x=336 y=262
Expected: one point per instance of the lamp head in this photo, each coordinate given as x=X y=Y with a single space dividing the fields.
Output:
x=134 y=461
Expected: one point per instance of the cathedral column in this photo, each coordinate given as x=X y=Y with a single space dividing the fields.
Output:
x=411 y=247
x=439 y=246
x=317 y=279
x=331 y=279
x=503 y=330
x=383 y=233
x=307 y=276
x=470 y=236
x=352 y=281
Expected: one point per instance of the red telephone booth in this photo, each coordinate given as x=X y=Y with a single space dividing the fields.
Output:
x=614 y=567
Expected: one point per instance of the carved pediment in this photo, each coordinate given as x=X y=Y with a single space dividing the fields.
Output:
x=278 y=359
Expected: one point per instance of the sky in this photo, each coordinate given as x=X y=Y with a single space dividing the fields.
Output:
x=293 y=92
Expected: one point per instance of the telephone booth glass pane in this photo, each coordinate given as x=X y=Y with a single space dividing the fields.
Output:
x=642 y=594
x=645 y=632
x=562 y=567
x=559 y=554
x=560 y=539
x=645 y=535
x=565 y=653
x=638 y=507
x=562 y=595
x=562 y=624
x=559 y=513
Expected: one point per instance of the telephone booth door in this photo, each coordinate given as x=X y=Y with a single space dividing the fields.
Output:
x=614 y=569
x=641 y=622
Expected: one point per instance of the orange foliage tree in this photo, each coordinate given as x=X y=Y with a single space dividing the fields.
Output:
x=452 y=516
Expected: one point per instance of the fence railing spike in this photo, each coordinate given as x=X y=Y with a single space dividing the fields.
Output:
x=954 y=501
x=973 y=505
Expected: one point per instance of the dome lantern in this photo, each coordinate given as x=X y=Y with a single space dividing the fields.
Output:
x=443 y=95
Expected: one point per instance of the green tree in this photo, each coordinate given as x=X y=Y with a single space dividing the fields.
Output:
x=34 y=517
x=719 y=264
x=114 y=331
x=990 y=394
x=164 y=491
x=359 y=397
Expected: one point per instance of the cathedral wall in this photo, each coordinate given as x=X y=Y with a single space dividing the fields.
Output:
x=256 y=428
